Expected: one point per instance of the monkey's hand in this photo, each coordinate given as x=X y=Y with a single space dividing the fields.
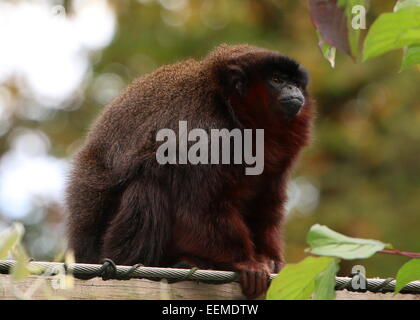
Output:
x=254 y=278
x=273 y=264
x=276 y=265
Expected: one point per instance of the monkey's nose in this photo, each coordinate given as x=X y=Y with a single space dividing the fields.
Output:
x=291 y=100
x=291 y=105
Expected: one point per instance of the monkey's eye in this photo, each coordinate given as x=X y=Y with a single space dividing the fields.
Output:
x=277 y=79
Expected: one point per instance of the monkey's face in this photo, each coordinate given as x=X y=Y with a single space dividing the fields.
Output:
x=273 y=87
x=287 y=93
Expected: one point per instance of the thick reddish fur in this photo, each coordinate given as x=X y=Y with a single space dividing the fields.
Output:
x=125 y=206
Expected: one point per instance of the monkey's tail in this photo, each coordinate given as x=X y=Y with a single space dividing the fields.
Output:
x=140 y=231
x=88 y=211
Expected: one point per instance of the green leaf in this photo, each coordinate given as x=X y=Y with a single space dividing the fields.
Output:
x=20 y=270
x=327 y=50
x=411 y=53
x=298 y=281
x=325 y=282
x=70 y=261
x=9 y=238
x=401 y=4
x=353 y=34
x=325 y=242
x=411 y=57
x=338 y=26
x=393 y=31
x=410 y=271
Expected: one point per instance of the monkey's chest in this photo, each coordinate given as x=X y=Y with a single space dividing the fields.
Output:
x=249 y=193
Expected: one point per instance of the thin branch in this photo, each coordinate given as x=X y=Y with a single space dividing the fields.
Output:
x=413 y=255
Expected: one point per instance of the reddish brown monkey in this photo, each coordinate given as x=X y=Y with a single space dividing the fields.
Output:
x=126 y=206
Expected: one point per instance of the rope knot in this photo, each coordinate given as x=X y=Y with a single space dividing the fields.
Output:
x=108 y=269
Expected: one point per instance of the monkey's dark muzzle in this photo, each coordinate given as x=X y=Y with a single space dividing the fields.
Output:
x=291 y=106
x=291 y=102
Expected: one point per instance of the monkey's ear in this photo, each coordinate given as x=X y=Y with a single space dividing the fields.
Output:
x=236 y=79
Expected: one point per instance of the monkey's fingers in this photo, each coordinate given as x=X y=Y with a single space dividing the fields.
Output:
x=245 y=284
x=277 y=266
x=248 y=284
x=263 y=279
x=254 y=283
x=260 y=284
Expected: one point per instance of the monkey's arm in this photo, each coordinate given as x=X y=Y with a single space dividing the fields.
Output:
x=224 y=239
x=268 y=225
x=269 y=243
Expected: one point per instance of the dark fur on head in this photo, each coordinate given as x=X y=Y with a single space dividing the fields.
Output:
x=123 y=205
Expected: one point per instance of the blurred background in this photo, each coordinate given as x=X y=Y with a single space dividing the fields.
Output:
x=61 y=62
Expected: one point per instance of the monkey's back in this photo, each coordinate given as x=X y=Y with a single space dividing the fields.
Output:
x=120 y=150
x=160 y=100
x=188 y=90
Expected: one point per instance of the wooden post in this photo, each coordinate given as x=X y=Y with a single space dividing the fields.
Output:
x=47 y=287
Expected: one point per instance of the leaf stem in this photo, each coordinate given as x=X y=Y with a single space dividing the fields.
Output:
x=413 y=255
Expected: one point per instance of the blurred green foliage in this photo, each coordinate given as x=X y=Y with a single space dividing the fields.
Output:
x=365 y=153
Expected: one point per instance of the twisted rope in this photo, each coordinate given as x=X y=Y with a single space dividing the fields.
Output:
x=108 y=270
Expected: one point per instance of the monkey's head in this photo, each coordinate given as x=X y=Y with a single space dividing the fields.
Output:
x=260 y=86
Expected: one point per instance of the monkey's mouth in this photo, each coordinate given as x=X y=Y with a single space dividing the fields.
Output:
x=291 y=106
